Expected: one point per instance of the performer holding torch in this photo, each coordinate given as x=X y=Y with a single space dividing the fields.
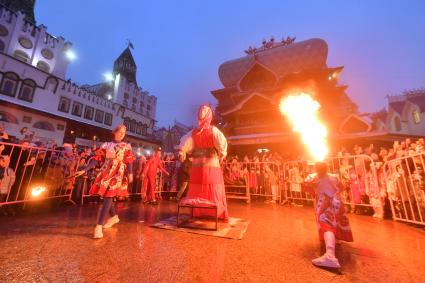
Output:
x=301 y=110
x=332 y=221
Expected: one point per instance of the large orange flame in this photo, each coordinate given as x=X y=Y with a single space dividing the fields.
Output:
x=301 y=110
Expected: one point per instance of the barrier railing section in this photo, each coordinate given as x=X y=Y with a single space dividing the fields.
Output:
x=164 y=183
x=34 y=173
x=168 y=184
x=259 y=178
x=294 y=173
x=405 y=186
x=363 y=189
x=359 y=176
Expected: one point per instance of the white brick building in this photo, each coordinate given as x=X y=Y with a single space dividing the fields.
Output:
x=35 y=94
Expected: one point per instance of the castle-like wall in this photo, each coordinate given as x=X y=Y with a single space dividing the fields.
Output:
x=32 y=44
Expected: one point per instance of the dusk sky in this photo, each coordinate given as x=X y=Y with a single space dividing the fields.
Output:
x=179 y=45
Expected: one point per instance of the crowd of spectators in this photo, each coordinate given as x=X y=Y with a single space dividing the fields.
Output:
x=25 y=163
x=369 y=185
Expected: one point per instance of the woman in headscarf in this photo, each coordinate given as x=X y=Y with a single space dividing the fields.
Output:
x=208 y=147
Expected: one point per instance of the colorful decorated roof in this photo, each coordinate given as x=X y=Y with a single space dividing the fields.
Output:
x=280 y=60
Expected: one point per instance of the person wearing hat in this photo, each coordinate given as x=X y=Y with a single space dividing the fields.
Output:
x=149 y=177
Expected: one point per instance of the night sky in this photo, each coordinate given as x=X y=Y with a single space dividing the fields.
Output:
x=179 y=45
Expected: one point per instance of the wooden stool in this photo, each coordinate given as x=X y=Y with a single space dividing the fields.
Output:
x=204 y=204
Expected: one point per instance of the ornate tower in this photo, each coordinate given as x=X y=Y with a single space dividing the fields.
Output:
x=25 y=6
x=126 y=66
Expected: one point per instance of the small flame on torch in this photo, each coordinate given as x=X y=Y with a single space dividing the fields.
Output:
x=37 y=191
x=301 y=110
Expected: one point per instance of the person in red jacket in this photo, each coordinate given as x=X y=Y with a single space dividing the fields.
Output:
x=149 y=177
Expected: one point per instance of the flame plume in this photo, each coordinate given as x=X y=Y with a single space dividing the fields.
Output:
x=301 y=110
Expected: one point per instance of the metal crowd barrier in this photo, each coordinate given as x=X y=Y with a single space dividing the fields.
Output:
x=164 y=184
x=294 y=173
x=405 y=187
x=358 y=174
x=244 y=180
x=35 y=173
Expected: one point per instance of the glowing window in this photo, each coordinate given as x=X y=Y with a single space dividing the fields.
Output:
x=397 y=124
x=416 y=117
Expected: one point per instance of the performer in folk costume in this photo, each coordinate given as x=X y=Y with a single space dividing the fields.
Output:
x=113 y=178
x=208 y=147
x=331 y=219
x=149 y=177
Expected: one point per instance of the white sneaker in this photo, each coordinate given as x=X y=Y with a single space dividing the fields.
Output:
x=111 y=222
x=98 y=232
x=326 y=260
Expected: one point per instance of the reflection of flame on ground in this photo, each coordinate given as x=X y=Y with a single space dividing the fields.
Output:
x=37 y=191
x=301 y=111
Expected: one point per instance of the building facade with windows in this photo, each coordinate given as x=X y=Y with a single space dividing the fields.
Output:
x=405 y=114
x=35 y=94
x=170 y=137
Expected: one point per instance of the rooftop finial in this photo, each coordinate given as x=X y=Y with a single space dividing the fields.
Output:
x=268 y=44
x=130 y=44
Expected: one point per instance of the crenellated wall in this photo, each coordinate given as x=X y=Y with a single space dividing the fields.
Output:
x=33 y=44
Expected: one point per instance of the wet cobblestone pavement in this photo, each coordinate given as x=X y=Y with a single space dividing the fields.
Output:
x=278 y=246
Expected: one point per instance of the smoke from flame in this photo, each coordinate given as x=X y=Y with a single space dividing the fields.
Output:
x=301 y=110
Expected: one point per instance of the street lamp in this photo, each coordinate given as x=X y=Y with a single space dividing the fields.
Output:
x=70 y=55
x=108 y=76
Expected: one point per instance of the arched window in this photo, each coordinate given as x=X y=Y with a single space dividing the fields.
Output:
x=9 y=84
x=21 y=55
x=145 y=129
x=108 y=119
x=51 y=84
x=139 y=128
x=47 y=53
x=416 y=117
x=397 y=124
x=25 y=42
x=88 y=113
x=133 y=126
x=8 y=117
x=98 y=116
x=44 y=125
x=64 y=104
x=27 y=90
x=43 y=66
x=3 y=31
x=127 y=122
x=77 y=109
